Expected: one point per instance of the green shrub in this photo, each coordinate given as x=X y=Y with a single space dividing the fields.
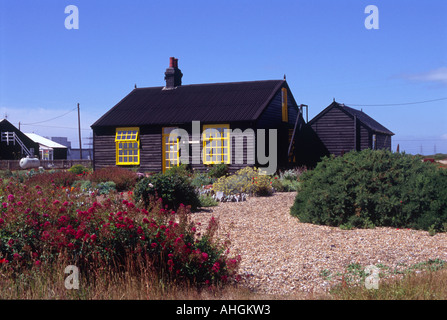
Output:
x=248 y=180
x=172 y=189
x=83 y=185
x=292 y=174
x=290 y=185
x=207 y=201
x=182 y=170
x=106 y=187
x=218 y=170
x=201 y=179
x=78 y=169
x=373 y=188
x=288 y=180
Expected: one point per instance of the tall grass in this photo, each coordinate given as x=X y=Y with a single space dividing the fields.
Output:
x=134 y=282
x=426 y=285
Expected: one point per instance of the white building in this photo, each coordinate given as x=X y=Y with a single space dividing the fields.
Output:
x=48 y=149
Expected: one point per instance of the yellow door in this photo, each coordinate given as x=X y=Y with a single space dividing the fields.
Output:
x=170 y=147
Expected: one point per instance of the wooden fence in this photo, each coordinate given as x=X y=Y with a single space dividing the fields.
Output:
x=46 y=164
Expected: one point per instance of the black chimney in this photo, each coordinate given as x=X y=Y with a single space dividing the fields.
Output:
x=173 y=74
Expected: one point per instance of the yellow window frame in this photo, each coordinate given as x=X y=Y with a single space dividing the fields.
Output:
x=171 y=150
x=127 y=141
x=285 y=111
x=216 y=144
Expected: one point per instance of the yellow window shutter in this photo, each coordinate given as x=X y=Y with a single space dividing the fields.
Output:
x=285 y=115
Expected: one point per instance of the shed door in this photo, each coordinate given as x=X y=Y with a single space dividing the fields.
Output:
x=170 y=145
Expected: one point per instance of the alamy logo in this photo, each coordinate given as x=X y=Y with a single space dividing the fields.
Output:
x=214 y=144
x=72 y=281
x=372 y=21
x=372 y=281
x=72 y=20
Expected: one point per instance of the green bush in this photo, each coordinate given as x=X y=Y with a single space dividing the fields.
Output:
x=292 y=174
x=373 y=188
x=290 y=185
x=201 y=179
x=182 y=170
x=172 y=189
x=83 y=185
x=78 y=169
x=248 y=180
x=106 y=187
x=218 y=170
x=207 y=201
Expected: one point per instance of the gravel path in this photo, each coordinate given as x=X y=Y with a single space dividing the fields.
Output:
x=280 y=255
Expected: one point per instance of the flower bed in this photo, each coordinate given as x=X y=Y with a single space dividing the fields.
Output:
x=40 y=225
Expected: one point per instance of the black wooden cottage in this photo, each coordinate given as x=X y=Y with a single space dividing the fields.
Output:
x=212 y=123
x=342 y=129
x=14 y=144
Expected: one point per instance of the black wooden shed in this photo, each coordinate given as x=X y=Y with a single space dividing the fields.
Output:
x=213 y=122
x=14 y=144
x=342 y=129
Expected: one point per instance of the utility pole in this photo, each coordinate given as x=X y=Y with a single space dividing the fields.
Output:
x=79 y=129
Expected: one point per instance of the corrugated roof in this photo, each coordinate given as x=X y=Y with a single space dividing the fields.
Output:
x=44 y=141
x=215 y=102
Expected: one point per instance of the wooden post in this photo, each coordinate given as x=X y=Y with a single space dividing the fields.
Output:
x=79 y=129
x=355 y=133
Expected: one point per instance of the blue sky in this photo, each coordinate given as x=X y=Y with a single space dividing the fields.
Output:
x=322 y=46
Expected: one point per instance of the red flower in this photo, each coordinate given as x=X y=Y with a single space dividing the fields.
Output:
x=216 y=267
x=170 y=264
